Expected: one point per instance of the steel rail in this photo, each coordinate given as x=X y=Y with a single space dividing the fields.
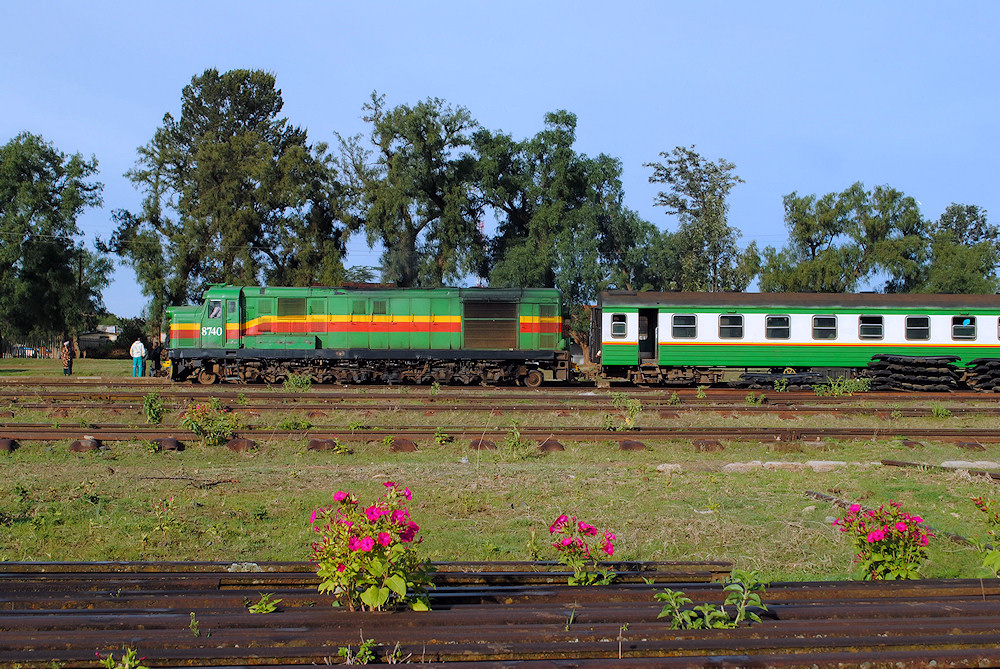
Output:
x=824 y=624
x=122 y=432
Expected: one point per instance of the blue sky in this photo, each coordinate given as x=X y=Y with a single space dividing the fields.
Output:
x=801 y=96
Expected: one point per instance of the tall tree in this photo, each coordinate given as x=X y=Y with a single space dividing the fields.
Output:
x=411 y=188
x=841 y=241
x=561 y=218
x=233 y=193
x=708 y=257
x=964 y=252
x=49 y=281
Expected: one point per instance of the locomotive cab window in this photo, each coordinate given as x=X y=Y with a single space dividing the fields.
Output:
x=619 y=328
x=777 y=327
x=918 y=328
x=870 y=327
x=684 y=326
x=214 y=308
x=963 y=327
x=730 y=326
x=824 y=327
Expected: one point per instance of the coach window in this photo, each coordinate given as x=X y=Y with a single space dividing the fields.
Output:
x=777 y=327
x=214 y=308
x=870 y=327
x=918 y=328
x=824 y=327
x=684 y=326
x=619 y=328
x=963 y=327
x=730 y=326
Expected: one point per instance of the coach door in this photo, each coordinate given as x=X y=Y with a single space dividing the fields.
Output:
x=648 y=335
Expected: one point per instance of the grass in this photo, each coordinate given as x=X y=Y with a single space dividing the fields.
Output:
x=81 y=367
x=129 y=503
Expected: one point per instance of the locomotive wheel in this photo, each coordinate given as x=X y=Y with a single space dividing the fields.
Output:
x=206 y=378
x=789 y=370
x=534 y=378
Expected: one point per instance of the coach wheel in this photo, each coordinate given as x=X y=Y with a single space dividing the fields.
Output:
x=534 y=378
x=789 y=370
x=206 y=378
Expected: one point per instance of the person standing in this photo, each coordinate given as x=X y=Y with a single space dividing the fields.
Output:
x=66 y=355
x=138 y=353
x=154 y=358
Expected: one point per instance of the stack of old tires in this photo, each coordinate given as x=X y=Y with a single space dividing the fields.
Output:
x=984 y=374
x=904 y=372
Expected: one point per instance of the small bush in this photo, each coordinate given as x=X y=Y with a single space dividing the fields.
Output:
x=213 y=423
x=842 y=386
x=297 y=383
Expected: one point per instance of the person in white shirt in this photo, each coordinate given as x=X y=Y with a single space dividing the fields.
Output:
x=138 y=353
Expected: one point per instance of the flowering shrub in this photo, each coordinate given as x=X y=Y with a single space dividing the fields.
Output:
x=891 y=543
x=991 y=557
x=366 y=556
x=576 y=543
x=214 y=423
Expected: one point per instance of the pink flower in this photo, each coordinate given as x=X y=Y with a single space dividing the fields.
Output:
x=877 y=535
x=312 y=518
x=373 y=513
x=609 y=548
x=407 y=494
x=362 y=545
x=341 y=567
x=400 y=517
x=924 y=540
x=389 y=484
x=560 y=521
x=901 y=526
x=384 y=538
x=340 y=496
x=566 y=541
x=587 y=530
x=854 y=508
x=410 y=531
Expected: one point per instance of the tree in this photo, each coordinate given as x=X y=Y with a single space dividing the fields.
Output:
x=707 y=258
x=841 y=241
x=964 y=253
x=413 y=191
x=49 y=281
x=233 y=193
x=561 y=219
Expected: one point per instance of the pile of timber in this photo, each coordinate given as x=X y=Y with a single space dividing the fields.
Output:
x=483 y=615
x=905 y=372
x=984 y=374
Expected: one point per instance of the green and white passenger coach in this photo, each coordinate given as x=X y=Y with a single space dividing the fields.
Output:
x=692 y=338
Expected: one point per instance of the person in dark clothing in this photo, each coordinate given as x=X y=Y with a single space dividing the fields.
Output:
x=154 y=358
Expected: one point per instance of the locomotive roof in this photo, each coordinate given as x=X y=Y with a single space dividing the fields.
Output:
x=801 y=300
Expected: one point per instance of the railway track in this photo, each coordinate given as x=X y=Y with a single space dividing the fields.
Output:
x=135 y=389
x=484 y=615
x=970 y=437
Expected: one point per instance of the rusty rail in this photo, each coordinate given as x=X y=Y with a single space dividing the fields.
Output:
x=196 y=615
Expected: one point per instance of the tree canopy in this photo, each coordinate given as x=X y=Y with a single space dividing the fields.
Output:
x=49 y=281
x=707 y=256
x=233 y=193
x=411 y=188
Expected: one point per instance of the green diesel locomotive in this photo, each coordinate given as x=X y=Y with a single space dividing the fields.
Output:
x=254 y=334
